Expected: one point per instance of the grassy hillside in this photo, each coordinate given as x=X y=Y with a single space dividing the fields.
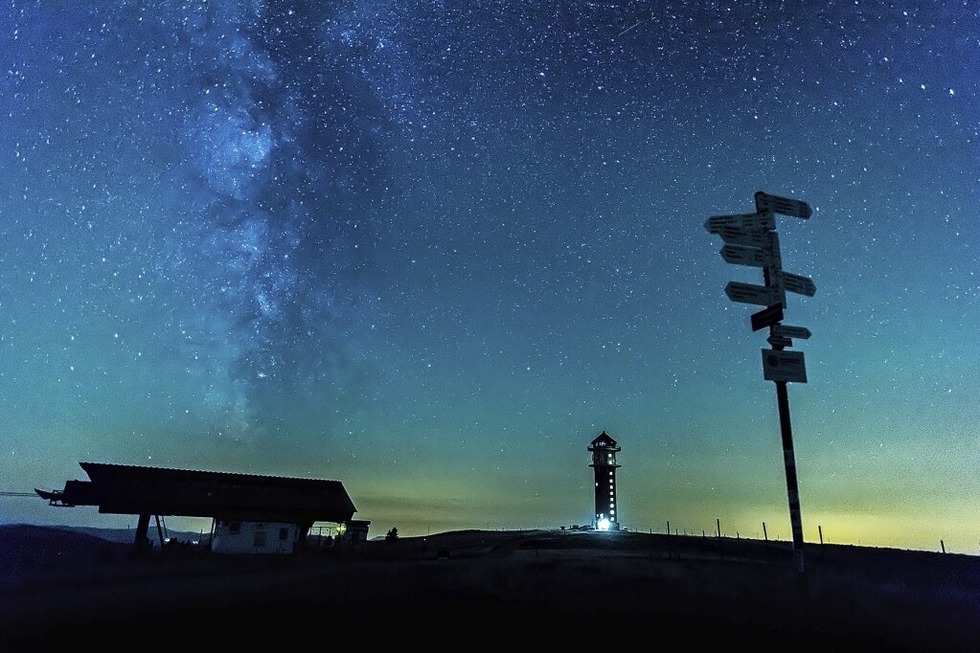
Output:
x=493 y=587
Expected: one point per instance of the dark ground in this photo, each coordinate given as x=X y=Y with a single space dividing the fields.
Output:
x=61 y=589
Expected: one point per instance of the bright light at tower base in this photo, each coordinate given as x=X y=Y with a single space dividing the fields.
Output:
x=603 y=525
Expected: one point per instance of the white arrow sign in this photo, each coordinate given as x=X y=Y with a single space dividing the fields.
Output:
x=749 y=293
x=743 y=255
x=795 y=283
x=764 y=221
x=782 y=205
x=786 y=331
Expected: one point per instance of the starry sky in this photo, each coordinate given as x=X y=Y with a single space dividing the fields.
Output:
x=432 y=249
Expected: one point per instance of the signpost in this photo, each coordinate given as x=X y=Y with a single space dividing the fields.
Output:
x=779 y=365
x=767 y=317
x=782 y=205
x=762 y=221
x=744 y=237
x=779 y=342
x=751 y=239
x=796 y=283
x=786 y=331
x=744 y=255
x=748 y=293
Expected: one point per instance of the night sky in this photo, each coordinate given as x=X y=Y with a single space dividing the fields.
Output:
x=432 y=249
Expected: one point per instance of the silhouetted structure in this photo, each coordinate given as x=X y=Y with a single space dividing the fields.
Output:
x=604 y=450
x=283 y=507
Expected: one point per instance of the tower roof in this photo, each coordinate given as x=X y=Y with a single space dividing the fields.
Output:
x=604 y=441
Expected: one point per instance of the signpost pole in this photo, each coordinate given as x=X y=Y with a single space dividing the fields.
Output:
x=792 y=487
x=789 y=456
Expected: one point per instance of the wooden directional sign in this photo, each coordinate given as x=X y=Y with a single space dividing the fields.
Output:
x=778 y=365
x=744 y=237
x=795 y=283
x=762 y=221
x=786 y=331
x=748 y=293
x=744 y=255
x=781 y=205
x=779 y=342
x=767 y=317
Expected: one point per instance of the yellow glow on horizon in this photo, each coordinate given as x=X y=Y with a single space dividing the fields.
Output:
x=887 y=530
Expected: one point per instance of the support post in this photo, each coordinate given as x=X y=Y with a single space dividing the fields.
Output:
x=142 y=541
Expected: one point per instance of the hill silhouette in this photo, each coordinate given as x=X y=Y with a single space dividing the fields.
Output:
x=59 y=588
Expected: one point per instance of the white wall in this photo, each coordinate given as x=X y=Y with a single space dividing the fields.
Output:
x=254 y=537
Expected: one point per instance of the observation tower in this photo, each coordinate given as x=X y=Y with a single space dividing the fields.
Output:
x=604 y=450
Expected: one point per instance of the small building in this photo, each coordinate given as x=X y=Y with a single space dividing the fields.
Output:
x=356 y=531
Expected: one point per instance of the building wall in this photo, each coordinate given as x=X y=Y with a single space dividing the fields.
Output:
x=254 y=537
x=357 y=531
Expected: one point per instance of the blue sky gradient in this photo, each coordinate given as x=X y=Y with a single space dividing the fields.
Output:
x=432 y=250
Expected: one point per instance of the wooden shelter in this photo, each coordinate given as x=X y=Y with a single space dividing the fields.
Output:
x=231 y=497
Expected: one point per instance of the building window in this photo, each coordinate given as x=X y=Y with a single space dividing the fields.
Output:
x=234 y=527
x=259 y=541
x=283 y=534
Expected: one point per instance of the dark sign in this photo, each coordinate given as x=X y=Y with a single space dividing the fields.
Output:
x=767 y=317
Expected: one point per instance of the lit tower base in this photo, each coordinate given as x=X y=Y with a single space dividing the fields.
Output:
x=604 y=450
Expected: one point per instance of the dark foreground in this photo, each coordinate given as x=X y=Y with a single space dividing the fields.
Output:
x=480 y=588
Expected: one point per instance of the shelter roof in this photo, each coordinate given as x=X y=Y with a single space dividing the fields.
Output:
x=132 y=489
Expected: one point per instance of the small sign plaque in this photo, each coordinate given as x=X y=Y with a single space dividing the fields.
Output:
x=781 y=365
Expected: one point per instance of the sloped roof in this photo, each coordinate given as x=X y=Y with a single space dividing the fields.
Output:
x=135 y=490
x=604 y=441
